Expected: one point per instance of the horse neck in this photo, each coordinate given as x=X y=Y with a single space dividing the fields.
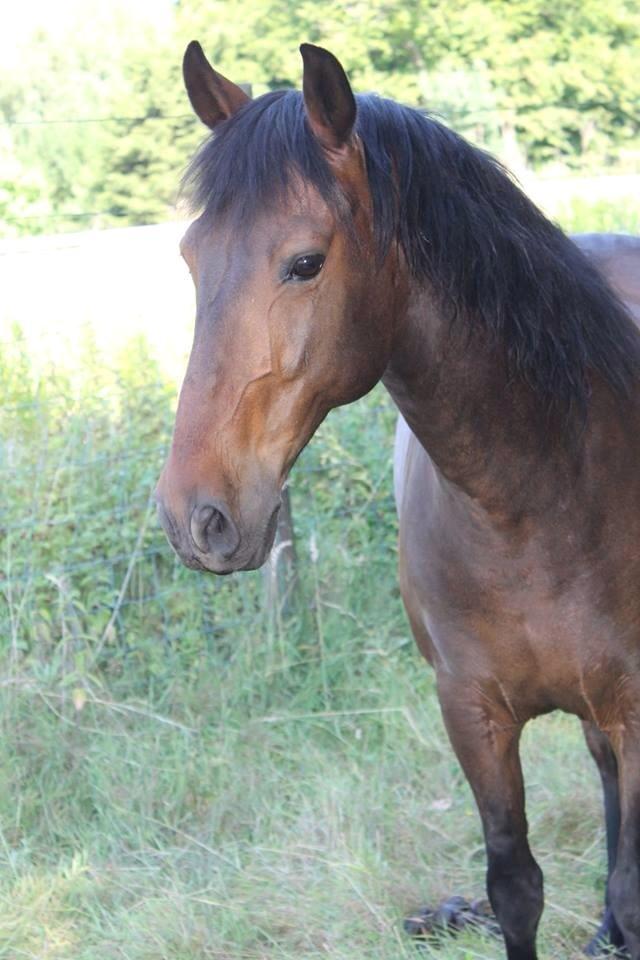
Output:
x=489 y=437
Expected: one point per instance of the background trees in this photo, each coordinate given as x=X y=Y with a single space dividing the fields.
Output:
x=541 y=83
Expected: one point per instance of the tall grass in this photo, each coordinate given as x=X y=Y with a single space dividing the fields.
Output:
x=185 y=772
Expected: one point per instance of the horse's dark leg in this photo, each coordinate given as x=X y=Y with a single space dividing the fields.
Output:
x=624 y=882
x=486 y=743
x=609 y=932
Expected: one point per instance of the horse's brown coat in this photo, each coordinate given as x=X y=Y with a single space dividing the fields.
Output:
x=519 y=527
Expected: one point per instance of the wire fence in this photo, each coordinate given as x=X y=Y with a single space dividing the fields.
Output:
x=31 y=221
x=84 y=566
x=468 y=117
x=483 y=122
x=71 y=121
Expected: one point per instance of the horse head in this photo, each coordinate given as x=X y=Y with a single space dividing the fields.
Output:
x=294 y=307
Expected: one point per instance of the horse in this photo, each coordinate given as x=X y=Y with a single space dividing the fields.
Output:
x=617 y=256
x=343 y=241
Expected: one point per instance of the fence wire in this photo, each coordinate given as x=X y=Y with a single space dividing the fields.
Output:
x=83 y=563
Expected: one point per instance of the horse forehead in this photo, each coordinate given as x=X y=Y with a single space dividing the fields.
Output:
x=269 y=231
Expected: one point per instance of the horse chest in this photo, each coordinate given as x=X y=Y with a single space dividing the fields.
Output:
x=543 y=625
x=532 y=646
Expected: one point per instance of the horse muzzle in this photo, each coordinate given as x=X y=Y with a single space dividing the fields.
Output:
x=210 y=538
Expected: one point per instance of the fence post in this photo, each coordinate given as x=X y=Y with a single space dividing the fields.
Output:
x=281 y=574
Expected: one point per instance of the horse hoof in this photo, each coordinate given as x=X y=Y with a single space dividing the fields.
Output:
x=452 y=916
x=608 y=940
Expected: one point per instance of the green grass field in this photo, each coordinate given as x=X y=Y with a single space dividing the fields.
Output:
x=185 y=772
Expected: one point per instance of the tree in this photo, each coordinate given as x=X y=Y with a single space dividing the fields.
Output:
x=145 y=154
x=557 y=80
x=561 y=75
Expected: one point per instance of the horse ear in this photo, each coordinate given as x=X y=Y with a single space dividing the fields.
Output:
x=212 y=96
x=329 y=102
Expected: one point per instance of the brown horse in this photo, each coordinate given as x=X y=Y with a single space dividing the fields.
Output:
x=343 y=242
x=617 y=256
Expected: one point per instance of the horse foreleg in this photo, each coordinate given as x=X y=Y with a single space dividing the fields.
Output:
x=624 y=882
x=609 y=932
x=486 y=743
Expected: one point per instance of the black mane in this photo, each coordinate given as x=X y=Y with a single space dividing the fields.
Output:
x=464 y=225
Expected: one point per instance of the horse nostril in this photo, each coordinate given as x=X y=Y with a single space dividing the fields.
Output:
x=213 y=530
x=200 y=519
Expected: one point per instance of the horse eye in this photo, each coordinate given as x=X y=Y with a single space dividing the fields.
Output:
x=307 y=267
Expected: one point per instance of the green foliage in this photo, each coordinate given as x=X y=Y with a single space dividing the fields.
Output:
x=92 y=589
x=536 y=82
x=186 y=775
x=56 y=162
x=562 y=76
x=120 y=163
x=580 y=215
x=566 y=72
x=145 y=155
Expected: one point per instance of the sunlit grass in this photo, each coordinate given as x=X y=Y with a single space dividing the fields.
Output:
x=269 y=835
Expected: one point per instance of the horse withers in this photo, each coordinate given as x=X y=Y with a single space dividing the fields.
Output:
x=344 y=241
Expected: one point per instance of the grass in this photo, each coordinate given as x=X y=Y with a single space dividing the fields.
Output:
x=579 y=215
x=280 y=833
x=187 y=774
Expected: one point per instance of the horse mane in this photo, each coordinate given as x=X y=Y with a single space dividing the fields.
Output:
x=465 y=227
